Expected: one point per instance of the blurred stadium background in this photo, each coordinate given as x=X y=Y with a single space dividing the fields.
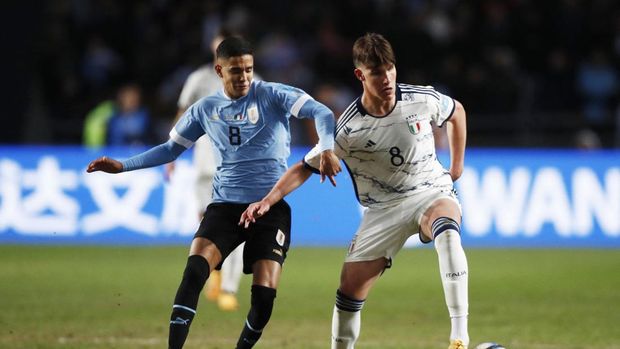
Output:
x=93 y=261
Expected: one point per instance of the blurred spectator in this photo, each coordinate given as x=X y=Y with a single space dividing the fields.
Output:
x=100 y=63
x=617 y=131
x=130 y=123
x=558 y=77
x=335 y=97
x=508 y=60
x=96 y=124
x=587 y=140
x=597 y=84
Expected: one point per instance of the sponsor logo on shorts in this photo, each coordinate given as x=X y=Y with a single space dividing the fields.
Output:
x=277 y=251
x=280 y=237
x=352 y=245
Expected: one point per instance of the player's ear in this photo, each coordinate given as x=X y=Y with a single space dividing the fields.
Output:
x=218 y=70
x=358 y=74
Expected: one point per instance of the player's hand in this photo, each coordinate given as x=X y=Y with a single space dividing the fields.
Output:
x=105 y=164
x=455 y=172
x=254 y=211
x=169 y=170
x=330 y=166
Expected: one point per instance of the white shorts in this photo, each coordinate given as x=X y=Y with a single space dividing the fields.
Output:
x=383 y=231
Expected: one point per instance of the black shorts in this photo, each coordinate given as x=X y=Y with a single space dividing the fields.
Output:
x=268 y=238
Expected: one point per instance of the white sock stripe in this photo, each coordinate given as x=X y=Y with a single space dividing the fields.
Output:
x=247 y=323
x=344 y=300
x=444 y=223
x=348 y=304
x=184 y=308
x=444 y=220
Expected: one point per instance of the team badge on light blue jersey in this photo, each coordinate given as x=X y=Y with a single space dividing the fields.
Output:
x=253 y=115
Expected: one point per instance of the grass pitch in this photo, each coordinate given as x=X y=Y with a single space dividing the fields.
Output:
x=120 y=297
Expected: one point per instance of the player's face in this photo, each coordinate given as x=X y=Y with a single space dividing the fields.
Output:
x=236 y=73
x=379 y=82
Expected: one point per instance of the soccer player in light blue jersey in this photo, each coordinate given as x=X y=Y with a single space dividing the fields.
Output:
x=248 y=123
x=386 y=140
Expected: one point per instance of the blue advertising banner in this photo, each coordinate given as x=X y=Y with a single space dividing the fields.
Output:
x=510 y=198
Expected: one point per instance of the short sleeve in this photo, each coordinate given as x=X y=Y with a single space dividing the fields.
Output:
x=290 y=98
x=188 y=129
x=446 y=107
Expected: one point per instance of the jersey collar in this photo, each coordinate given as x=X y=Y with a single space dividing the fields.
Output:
x=363 y=111
x=251 y=91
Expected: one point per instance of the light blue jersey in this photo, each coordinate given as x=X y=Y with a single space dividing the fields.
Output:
x=251 y=135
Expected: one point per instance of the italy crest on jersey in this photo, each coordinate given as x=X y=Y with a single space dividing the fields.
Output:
x=253 y=114
x=415 y=124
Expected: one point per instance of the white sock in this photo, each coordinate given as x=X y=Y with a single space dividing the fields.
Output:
x=232 y=269
x=454 y=275
x=345 y=328
x=459 y=329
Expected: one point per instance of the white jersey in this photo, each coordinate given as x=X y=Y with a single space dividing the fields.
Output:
x=393 y=157
x=200 y=83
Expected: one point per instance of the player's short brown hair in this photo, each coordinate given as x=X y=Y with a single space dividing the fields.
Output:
x=372 y=50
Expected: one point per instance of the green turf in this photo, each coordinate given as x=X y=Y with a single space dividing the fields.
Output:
x=120 y=297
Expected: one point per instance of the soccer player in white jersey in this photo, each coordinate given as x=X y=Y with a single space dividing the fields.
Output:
x=248 y=123
x=222 y=285
x=385 y=138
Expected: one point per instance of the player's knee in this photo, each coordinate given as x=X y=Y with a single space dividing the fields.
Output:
x=262 y=306
x=196 y=272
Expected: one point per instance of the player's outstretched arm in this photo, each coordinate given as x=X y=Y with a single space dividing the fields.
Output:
x=105 y=164
x=457 y=136
x=155 y=156
x=291 y=180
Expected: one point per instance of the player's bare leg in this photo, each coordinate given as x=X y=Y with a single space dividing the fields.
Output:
x=266 y=276
x=203 y=257
x=356 y=280
x=441 y=222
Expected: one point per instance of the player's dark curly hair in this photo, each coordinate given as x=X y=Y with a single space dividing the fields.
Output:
x=372 y=50
x=234 y=46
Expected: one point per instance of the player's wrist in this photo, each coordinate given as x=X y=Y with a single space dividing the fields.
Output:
x=326 y=145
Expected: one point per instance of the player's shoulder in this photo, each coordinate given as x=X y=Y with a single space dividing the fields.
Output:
x=410 y=92
x=211 y=101
x=273 y=87
x=353 y=111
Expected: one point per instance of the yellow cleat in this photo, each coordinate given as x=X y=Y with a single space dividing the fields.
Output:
x=214 y=286
x=227 y=302
x=457 y=344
